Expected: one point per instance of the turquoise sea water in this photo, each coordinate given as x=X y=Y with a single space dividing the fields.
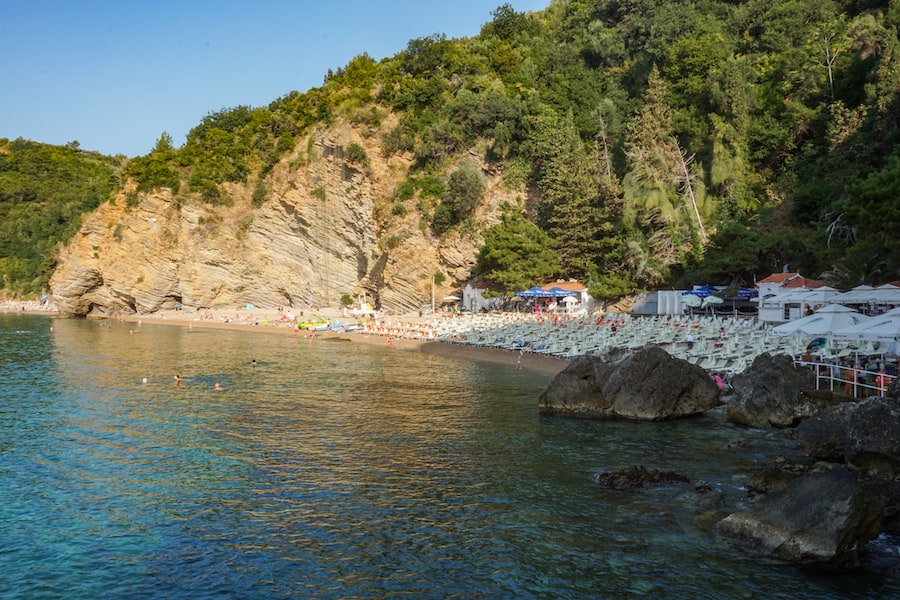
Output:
x=339 y=470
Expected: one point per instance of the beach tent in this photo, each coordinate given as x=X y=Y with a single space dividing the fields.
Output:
x=701 y=291
x=884 y=328
x=558 y=292
x=532 y=292
x=826 y=321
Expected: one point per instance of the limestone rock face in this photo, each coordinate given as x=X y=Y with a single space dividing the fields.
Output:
x=323 y=231
x=773 y=392
x=648 y=385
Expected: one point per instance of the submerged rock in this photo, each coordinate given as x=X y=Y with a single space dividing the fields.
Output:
x=647 y=385
x=631 y=478
x=777 y=475
x=822 y=518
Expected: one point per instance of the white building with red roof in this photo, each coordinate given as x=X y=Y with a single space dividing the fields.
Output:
x=788 y=296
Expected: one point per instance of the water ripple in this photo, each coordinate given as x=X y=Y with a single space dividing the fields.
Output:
x=340 y=471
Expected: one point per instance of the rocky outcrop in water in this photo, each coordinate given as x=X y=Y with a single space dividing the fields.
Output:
x=864 y=434
x=824 y=518
x=825 y=514
x=325 y=229
x=774 y=392
x=646 y=385
x=633 y=478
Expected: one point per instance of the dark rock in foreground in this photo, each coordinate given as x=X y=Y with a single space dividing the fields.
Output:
x=863 y=434
x=647 y=385
x=822 y=518
x=774 y=392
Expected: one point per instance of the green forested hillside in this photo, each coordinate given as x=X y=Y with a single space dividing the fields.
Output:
x=668 y=142
x=44 y=192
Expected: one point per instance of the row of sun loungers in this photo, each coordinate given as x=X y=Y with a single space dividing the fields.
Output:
x=721 y=344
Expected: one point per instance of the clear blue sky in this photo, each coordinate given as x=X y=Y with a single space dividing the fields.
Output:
x=114 y=75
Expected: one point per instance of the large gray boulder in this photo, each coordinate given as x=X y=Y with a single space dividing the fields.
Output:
x=824 y=435
x=646 y=385
x=873 y=438
x=863 y=434
x=774 y=392
x=822 y=518
x=893 y=390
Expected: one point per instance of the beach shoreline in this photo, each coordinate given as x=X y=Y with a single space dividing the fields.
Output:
x=269 y=323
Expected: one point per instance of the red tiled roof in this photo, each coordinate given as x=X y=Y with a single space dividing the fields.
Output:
x=778 y=278
x=804 y=282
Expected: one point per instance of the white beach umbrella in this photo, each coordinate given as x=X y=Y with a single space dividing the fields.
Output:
x=883 y=328
x=691 y=300
x=858 y=295
x=826 y=321
x=711 y=300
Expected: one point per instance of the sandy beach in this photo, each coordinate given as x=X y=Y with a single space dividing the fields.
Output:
x=269 y=322
x=541 y=343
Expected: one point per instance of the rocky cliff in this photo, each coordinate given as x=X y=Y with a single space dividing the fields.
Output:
x=325 y=229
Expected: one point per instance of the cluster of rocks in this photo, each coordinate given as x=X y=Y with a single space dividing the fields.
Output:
x=821 y=508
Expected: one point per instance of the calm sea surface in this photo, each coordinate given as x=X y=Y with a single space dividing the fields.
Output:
x=339 y=470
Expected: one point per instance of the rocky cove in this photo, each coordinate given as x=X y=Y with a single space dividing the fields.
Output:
x=818 y=506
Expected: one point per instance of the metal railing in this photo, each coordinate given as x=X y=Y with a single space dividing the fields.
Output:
x=850 y=381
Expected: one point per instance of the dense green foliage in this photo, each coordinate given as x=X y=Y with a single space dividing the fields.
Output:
x=44 y=192
x=465 y=187
x=670 y=142
x=516 y=253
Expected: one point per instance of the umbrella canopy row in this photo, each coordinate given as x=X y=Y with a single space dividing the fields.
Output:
x=845 y=323
x=824 y=322
x=865 y=294
x=705 y=291
x=883 y=328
